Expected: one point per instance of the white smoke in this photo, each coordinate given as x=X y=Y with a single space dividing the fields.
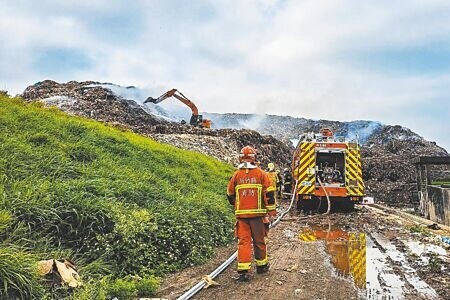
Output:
x=170 y=109
x=254 y=122
x=362 y=130
x=59 y=101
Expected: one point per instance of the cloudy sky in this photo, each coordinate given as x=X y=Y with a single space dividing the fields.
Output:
x=387 y=61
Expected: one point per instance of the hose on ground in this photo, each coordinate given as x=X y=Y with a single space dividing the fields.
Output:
x=196 y=288
x=326 y=194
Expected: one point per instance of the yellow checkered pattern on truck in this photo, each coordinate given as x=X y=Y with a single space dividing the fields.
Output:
x=353 y=171
x=306 y=169
x=357 y=258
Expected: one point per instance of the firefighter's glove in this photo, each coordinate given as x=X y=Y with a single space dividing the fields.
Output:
x=231 y=199
x=272 y=214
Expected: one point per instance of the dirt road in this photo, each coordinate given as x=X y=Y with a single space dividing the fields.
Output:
x=368 y=254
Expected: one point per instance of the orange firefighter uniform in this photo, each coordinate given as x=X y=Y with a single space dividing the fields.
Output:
x=273 y=177
x=253 y=196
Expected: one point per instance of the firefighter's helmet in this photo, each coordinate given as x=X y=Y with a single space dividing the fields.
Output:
x=248 y=154
x=271 y=166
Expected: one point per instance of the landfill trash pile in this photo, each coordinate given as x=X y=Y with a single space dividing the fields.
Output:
x=288 y=129
x=387 y=151
x=94 y=100
x=89 y=100
x=386 y=154
x=226 y=144
x=387 y=164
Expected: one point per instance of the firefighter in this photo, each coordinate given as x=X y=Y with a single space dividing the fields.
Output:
x=279 y=181
x=273 y=177
x=287 y=181
x=253 y=196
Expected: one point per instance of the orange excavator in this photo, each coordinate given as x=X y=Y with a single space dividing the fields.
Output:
x=196 y=119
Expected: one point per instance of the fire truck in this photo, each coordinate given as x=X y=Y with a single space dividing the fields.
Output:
x=325 y=165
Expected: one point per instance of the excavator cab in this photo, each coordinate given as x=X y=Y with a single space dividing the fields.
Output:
x=196 y=119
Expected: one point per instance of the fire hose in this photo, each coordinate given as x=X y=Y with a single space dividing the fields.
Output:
x=326 y=194
x=208 y=278
x=195 y=289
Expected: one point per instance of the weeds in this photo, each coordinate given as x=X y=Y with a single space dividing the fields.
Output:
x=435 y=264
x=419 y=229
x=116 y=203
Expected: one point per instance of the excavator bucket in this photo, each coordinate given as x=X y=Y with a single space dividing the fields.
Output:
x=196 y=119
x=152 y=100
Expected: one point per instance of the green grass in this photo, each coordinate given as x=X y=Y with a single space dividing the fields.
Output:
x=416 y=228
x=18 y=273
x=110 y=199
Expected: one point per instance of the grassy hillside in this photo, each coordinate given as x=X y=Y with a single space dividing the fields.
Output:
x=116 y=203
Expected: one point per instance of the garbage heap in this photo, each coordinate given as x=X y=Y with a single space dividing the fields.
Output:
x=387 y=165
x=88 y=99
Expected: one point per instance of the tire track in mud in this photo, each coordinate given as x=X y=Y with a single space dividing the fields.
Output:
x=307 y=270
x=299 y=270
x=413 y=285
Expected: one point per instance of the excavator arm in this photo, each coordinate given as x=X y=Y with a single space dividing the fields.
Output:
x=196 y=119
x=161 y=98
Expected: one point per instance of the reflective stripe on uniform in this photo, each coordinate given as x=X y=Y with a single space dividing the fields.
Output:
x=271 y=189
x=261 y=262
x=271 y=207
x=257 y=210
x=250 y=211
x=244 y=266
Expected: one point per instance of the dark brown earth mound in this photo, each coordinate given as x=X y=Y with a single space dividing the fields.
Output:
x=387 y=151
x=387 y=164
x=90 y=100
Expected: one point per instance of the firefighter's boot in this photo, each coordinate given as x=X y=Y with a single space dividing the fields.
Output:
x=243 y=277
x=262 y=269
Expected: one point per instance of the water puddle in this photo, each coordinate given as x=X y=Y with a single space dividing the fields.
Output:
x=419 y=248
x=381 y=278
x=408 y=272
x=378 y=269
x=423 y=251
x=347 y=251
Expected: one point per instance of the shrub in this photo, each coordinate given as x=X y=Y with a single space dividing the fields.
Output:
x=123 y=289
x=147 y=286
x=132 y=286
x=94 y=289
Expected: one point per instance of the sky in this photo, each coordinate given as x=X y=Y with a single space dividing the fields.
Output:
x=387 y=61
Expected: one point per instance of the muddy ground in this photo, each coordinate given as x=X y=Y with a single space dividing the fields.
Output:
x=367 y=254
